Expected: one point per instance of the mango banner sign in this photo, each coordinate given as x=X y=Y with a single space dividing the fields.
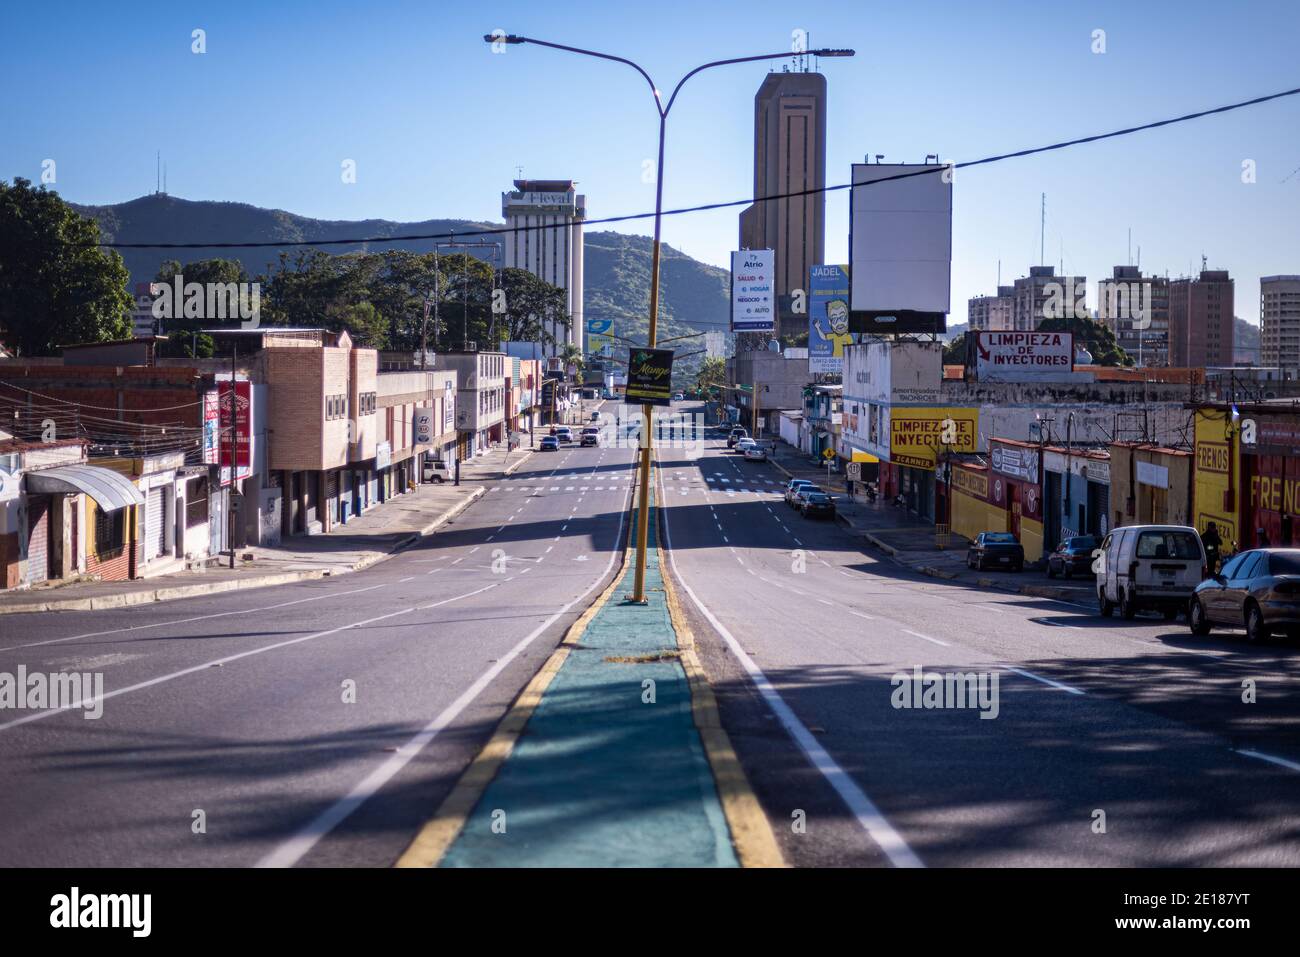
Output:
x=917 y=436
x=649 y=376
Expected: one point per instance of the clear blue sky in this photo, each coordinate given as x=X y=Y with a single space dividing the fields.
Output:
x=437 y=123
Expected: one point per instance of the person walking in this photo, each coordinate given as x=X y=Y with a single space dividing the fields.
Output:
x=1213 y=543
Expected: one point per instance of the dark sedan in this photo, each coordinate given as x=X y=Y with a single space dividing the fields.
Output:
x=817 y=505
x=1072 y=557
x=1258 y=590
x=995 y=550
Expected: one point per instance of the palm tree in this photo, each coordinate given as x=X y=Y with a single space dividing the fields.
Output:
x=572 y=356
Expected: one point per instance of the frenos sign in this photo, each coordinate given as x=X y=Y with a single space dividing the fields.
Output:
x=1024 y=354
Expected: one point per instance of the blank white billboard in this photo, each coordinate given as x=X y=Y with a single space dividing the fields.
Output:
x=901 y=239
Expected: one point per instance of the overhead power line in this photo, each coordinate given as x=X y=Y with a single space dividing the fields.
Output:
x=496 y=231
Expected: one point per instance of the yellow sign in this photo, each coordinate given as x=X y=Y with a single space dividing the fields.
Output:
x=974 y=483
x=828 y=453
x=1218 y=473
x=917 y=436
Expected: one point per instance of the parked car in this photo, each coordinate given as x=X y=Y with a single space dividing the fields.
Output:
x=564 y=433
x=435 y=470
x=595 y=417
x=756 y=453
x=1072 y=557
x=737 y=433
x=745 y=443
x=801 y=496
x=995 y=550
x=1153 y=567
x=590 y=436
x=678 y=397
x=549 y=444
x=817 y=505
x=792 y=487
x=1258 y=589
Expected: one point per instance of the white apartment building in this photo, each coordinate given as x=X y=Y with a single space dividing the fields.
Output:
x=993 y=313
x=1279 y=321
x=547 y=216
x=1136 y=308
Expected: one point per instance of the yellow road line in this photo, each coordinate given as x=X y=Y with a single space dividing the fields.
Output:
x=438 y=833
x=751 y=832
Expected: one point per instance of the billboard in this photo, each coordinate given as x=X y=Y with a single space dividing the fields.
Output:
x=917 y=436
x=753 y=302
x=239 y=437
x=649 y=376
x=900 y=248
x=1020 y=355
x=600 y=336
x=828 y=318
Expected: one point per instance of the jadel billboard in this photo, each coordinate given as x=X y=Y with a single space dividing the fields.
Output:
x=828 y=318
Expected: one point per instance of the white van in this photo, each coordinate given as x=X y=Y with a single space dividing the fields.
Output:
x=1154 y=567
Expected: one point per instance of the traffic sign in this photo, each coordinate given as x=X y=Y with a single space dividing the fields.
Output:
x=828 y=453
x=853 y=471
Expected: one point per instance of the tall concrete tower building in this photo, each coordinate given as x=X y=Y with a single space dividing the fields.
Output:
x=548 y=242
x=789 y=156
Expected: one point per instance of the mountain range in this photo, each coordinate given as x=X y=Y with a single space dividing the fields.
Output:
x=693 y=297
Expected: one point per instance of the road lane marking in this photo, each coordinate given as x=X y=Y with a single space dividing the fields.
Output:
x=917 y=634
x=1046 y=681
x=185 y=621
x=1270 y=758
x=296 y=847
x=860 y=805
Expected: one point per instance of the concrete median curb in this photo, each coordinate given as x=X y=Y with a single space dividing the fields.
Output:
x=149 y=596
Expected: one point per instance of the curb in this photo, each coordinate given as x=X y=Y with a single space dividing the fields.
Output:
x=437 y=834
x=149 y=596
x=751 y=831
x=199 y=589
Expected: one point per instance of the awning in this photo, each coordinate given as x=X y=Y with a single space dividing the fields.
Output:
x=109 y=489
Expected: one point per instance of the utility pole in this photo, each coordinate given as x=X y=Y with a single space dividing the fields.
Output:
x=230 y=496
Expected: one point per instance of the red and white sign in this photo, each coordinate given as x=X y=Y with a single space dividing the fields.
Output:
x=1023 y=354
x=243 y=418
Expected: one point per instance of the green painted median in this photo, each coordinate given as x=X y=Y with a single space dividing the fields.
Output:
x=602 y=775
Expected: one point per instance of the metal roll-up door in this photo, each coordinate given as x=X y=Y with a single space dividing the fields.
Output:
x=155 y=521
x=38 y=538
x=332 y=495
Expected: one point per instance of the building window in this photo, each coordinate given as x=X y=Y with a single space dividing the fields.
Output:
x=110 y=533
x=196 y=505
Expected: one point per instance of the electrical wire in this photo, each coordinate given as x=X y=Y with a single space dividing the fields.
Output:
x=920 y=171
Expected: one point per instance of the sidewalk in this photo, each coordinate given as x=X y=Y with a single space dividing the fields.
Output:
x=363 y=541
x=608 y=758
x=912 y=542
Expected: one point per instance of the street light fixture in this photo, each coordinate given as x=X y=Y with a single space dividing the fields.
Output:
x=643 y=509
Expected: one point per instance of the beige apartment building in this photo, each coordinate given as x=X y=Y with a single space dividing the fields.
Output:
x=1136 y=307
x=1279 y=321
x=993 y=313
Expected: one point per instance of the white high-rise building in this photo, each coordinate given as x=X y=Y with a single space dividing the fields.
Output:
x=1279 y=321
x=547 y=215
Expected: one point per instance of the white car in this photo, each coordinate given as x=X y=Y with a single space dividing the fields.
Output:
x=743 y=444
x=755 y=453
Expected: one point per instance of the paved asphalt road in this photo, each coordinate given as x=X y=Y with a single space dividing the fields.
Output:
x=1139 y=720
x=233 y=704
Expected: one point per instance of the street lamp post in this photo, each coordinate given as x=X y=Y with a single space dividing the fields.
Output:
x=643 y=507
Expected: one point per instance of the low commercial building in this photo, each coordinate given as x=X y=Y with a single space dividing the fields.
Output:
x=61 y=516
x=765 y=382
x=1076 y=493
x=1150 y=485
x=480 y=398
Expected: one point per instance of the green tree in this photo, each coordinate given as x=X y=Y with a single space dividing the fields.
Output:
x=1096 y=336
x=954 y=353
x=532 y=306
x=56 y=286
x=713 y=372
x=185 y=336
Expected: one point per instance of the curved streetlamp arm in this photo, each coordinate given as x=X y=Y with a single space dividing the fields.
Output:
x=603 y=56
x=742 y=59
